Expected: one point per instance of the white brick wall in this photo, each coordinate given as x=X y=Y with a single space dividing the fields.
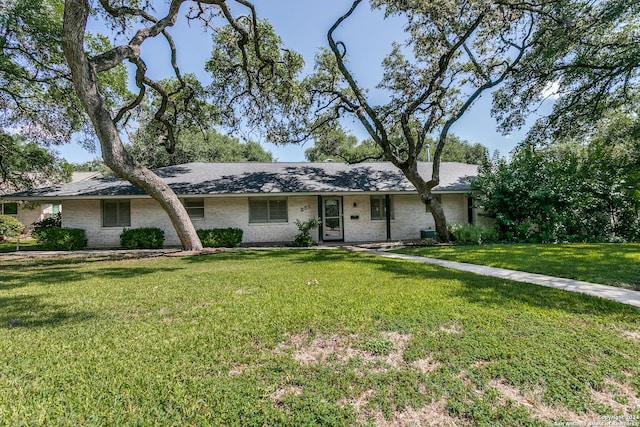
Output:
x=410 y=218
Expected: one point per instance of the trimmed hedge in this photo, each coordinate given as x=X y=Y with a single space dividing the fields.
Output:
x=61 y=239
x=142 y=238
x=220 y=237
x=9 y=226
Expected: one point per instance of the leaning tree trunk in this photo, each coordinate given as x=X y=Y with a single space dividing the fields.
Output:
x=435 y=207
x=424 y=190
x=114 y=154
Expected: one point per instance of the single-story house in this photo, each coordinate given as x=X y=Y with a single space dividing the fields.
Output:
x=30 y=212
x=361 y=202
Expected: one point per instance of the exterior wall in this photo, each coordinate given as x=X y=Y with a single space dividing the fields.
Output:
x=218 y=213
x=28 y=214
x=410 y=217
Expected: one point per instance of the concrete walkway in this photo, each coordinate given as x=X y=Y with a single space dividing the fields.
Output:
x=625 y=296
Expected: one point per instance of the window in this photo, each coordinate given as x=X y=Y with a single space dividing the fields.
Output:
x=268 y=210
x=379 y=208
x=116 y=213
x=9 y=209
x=55 y=208
x=194 y=207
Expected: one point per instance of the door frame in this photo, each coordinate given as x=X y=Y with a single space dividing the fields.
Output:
x=340 y=217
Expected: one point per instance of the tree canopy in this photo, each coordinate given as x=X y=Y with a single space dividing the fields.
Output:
x=586 y=60
x=197 y=146
x=335 y=144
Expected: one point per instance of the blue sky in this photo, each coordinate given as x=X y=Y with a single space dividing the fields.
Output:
x=303 y=24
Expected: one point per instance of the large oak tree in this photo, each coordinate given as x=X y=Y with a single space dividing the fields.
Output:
x=257 y=62
x=455 y=52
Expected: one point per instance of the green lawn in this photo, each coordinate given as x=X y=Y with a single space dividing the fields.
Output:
x=11 y=245
x=608 y=263
x=304 y=337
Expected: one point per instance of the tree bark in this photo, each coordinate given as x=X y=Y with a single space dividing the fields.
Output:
x=424 y=190
x=76 y=13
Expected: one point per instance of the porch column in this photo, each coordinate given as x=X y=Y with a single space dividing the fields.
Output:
x=387 y=208
x=320 y=230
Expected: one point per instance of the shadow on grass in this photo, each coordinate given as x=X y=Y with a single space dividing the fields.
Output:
x=29 y=311
x=475 y=289
x=60 y=271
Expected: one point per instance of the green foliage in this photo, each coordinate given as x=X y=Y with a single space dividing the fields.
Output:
x=27 y=165
x=142 y=238
x=44 y=224
x=194 y=146
x=9 y=226
x=254 y=80
x=585 y=59
x=37 y=95
x=473 y=233
x=61 y=239
x=565 y=192
x=220 y=237
x=336 y=144
x=303 y=238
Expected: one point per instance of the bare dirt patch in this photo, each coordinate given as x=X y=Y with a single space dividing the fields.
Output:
x=277 y=396
x=633 y=335
x=341 y=349
x=434 y=414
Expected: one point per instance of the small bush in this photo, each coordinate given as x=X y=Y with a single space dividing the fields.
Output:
x=142 y=238
x=54 y=221
x=61 y=239
x=220 y=237
x=9 y=226
x=472 y=233
x=304 y=239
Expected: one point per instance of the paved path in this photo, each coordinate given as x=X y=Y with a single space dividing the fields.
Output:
x=625 y=296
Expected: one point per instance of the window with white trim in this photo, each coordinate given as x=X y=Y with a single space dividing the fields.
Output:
x=116 y=213
x=379 y=208
x=194 y=207
x=268 y=210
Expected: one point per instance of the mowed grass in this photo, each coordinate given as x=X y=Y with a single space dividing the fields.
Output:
x=608 y=263
x=11 y=245
x=301 y=338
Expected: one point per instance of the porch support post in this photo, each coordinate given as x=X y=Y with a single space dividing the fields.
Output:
x=387 y=203
x=320 y=231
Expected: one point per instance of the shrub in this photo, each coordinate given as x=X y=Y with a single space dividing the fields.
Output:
x=54 y=221
x=142 y=238
x=220 y=237
x=472 y=233
x=61 y=239
x=9 y=226
x=304 y=239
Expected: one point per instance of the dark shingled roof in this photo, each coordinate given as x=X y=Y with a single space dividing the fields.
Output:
x=252 y=178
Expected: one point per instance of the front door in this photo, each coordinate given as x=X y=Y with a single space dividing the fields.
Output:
x=332 y=219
